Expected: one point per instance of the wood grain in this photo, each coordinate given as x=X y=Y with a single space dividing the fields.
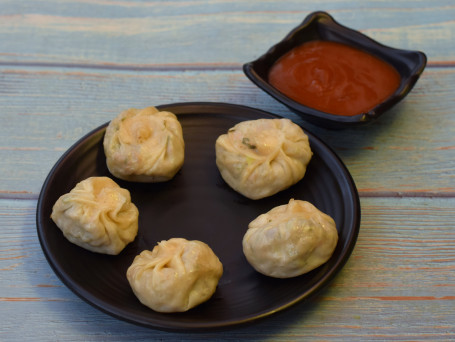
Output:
x=398 y=284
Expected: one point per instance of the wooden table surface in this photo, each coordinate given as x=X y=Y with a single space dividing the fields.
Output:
x=67 y=67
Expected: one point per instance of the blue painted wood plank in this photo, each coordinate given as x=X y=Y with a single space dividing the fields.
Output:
x=409 y=151
x=208 y=33
x=398 y=284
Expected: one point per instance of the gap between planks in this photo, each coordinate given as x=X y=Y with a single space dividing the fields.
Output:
x=24 y=195
x=161 y=67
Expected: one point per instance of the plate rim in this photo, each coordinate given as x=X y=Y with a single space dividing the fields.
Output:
x=189 y=326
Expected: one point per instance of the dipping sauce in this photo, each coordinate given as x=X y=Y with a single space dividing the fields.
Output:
x=334 y=78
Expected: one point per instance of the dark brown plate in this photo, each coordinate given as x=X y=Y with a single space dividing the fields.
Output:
x=321 y=26
x=196 y=204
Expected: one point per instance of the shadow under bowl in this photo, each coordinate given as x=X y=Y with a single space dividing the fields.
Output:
x=321 y=26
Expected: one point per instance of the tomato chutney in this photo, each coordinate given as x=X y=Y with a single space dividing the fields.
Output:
x=334 y=78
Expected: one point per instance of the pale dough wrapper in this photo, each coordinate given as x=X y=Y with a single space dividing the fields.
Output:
x=144 y=145
x=97 y=215
x=290 y=240
x=259 y=158
x=176 y=275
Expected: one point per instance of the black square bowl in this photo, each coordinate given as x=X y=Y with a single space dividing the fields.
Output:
x=321 y=26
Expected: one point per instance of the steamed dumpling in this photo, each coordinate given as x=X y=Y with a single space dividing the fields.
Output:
x=290 y=240
x=97 y=215
x=144 y=145
x=259 y=158
x=176 y=275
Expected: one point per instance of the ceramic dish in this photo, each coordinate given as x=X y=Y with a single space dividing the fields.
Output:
x=321 y=26
x=196 y=204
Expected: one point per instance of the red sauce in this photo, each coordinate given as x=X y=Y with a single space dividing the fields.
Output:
x=334 y=78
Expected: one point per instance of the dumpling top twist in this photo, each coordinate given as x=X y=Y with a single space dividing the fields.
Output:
x=97 y=215
x=144 y=145
x=259 y=158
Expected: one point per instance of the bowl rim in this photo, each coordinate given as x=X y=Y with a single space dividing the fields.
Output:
x=348 y=36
